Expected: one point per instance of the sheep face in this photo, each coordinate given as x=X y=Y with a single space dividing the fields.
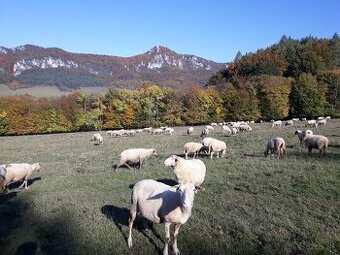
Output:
x=154 y=152
x=37 y=166
x=171 y=161
x=187 y=192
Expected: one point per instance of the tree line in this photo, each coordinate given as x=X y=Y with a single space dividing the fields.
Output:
x=294 y=78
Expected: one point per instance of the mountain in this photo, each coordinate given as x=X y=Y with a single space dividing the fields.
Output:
x=30 y=65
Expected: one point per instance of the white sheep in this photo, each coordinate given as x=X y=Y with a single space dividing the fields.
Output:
x=301 y=135
x=319 y=142
x=3 y=173
x=161 y=203
x=169 y=130
x=289 y=122
x=226 y=129
x=135 y=155
x=192 y=147
x=190 y=130
x=97 y=138
x=209 y=127
x=276 y=145
x=321 y=122
x=218 y=147
x=277 y=123
x=157 y=131
x=187 y=170
x=20 y=171
x=311 y=123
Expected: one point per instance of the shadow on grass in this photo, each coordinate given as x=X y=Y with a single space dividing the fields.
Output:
x=17 y=184
x=120 y=217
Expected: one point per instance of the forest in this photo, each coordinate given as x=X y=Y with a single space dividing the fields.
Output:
x=293 y=78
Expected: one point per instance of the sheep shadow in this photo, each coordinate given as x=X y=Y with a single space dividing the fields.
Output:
x=133 y=167
x=169 y=182
x=120 y=217
x=15 y=185
x=5 y=197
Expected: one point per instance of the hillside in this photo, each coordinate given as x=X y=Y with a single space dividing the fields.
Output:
x=30 y=65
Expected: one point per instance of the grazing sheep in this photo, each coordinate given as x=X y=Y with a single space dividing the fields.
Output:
x=301 y=135
x=276 y=145
x=157 y=131
x=289 y=122
x=169 y=130
x=190 y=130
x=218 y=147
x=21 y=171
x=3 y=173
x=209 y=127
x=226 y=129
x=161 y=203
x=277 y=123
x=311 y=123
x=192 y=147
x=316 y=142
x=205 y=132
x=137 y=155
x=187 y=170
x=97 y=138
x=234 y=130
x=321 y=122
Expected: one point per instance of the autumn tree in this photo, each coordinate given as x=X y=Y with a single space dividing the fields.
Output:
x=273 y=94
x=307 y=97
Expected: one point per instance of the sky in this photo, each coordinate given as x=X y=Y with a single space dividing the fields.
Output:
x=212 y=29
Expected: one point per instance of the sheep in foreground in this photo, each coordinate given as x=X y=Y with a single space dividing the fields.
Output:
x=22 y=171
x=301 y=135
x=137 y=155
x=190 y=130
x=319 y=142
x=192 y=170
x=192 y=147
x=3 y=173
x=161 y=203
x=217 y=146
x=97 y=138
x=276 y=145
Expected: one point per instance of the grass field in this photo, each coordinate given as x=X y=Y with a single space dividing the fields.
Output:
x=251 y=205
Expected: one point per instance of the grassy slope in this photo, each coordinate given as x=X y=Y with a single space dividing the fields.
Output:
x=251 y=205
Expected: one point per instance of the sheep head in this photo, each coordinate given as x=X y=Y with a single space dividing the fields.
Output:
x=171 y=161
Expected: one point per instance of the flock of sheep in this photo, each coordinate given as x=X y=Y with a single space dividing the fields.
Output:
x=161 y=203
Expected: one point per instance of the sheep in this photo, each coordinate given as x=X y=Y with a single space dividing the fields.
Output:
x=321 y=122
x=20 y=171
x=277 y=123
x=289 y=122
x=205 y=132
x=187 y=170
x=161 y=203
x=226 y=129
x=276 y=145
x=316 y=142
x=209 y=127
x=190 y=130
x=169 y=130
x=97 y=138
x=218 y=147
x=311 y=123
x=135 y=155
x=192 y=147
x=3 y=173
x=157 y=131
x=301 y=135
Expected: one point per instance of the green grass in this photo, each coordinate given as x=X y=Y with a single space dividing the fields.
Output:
x=251 y=205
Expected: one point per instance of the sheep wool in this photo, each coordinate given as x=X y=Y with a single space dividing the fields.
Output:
x=192 y=170
x=161 y=203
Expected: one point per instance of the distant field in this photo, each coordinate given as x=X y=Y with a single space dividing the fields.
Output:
x=46 y=91
x=251 y=204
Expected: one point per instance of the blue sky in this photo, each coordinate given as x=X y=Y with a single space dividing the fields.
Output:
x=212 y=29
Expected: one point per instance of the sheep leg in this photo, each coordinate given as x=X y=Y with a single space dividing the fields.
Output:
x=175 y=247
x=131 y=220
x=211 y=155
x=167 y=237
x=24 y=183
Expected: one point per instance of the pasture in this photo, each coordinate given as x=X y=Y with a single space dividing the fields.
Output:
x=251 y=205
